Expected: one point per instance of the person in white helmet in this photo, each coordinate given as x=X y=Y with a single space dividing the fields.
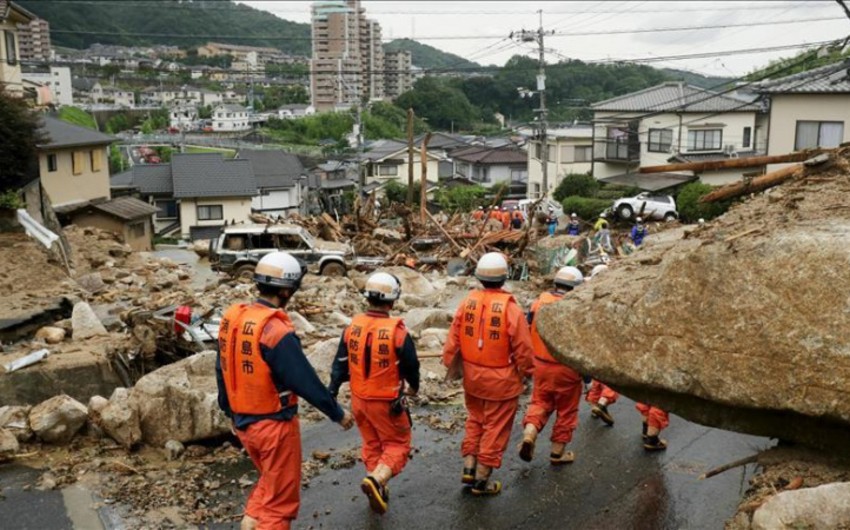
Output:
x=574 y=226
x=490 y=338
x=601 y=223
x=638 y=232
x=551 y=221
x=557 y=387
x=261 y=371
x=376 y=356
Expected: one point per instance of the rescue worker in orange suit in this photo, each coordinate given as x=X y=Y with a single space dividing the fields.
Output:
x=517 y=219
x=490 y=339
x=506 y=218
x=261 y=371
x=377 y=355
x=601 y=395
x=655 y=420
x=478 y=215
x=557 y=387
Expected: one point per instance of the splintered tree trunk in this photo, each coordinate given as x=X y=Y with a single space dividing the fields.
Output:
x=761 y=183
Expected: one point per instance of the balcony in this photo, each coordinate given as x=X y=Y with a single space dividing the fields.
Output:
x=616 y=151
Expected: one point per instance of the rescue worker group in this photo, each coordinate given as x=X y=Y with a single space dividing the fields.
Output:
x=262 y=370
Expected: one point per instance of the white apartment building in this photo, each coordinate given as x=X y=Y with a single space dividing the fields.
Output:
x=230 y=118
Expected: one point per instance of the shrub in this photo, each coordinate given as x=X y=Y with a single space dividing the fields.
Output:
x=463 y=198
x=11 y=200
x=585 y=207
x=576 y=184
x=690 y=209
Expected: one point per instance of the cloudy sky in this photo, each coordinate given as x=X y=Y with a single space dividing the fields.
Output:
x=607 y=29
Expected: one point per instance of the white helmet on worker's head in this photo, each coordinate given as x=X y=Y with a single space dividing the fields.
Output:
x=480 y=207
x=382 y=287
x=596 y=270
x=492 y=267
x=639 y=220
x=568 y=277
x=603 y=215
x=573 y=215
x=279 y=269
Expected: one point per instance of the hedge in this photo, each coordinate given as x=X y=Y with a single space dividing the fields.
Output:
x=585 y=207
x=691 y=210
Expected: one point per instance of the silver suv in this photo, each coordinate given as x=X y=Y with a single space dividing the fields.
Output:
x=238 y=248
x=658 y=207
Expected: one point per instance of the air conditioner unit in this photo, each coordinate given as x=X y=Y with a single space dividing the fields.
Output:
x=730 y=151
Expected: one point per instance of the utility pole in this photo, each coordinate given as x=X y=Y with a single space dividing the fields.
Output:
x=410 y=158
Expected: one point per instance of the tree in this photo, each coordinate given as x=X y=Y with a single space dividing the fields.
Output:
x=116 y=160
x=440 y=104
x=689 y=207
x=578 y=184
x=462 y=198
x=20 y=134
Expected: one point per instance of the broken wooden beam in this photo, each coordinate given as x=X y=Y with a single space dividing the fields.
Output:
x=732 y=163
x=757 y=184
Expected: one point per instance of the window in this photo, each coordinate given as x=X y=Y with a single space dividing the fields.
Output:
x=387 y=170
x=263 y=241
x=136 y=230
x=51 y=162
x=818 y=134
x=213 y=212
x=292 y=242
x=166 y=209
x=748 y=133
x=96 y=158
x=705 y=140
x=552 y=153
x=537 y=150
x=519 y=175
x=77 y=163
x=583 y=153
x=660 y=140
x=11 y=48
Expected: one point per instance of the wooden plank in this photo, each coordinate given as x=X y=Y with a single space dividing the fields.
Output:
x=761 y=183
x=732 y=163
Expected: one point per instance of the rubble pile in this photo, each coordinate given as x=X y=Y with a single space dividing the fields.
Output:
x=740 y=324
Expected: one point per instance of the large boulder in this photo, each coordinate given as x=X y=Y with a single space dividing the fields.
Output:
x=302 y=325
x=180 y=402
x=15 y=419
x=412 y=282
x=8 y=444
x=84 y=322
x=432 y=339
x=119 y=419
x=321 y=354
x=420 y=319
x=58 y=419
x=741 y=324
x=826 y=506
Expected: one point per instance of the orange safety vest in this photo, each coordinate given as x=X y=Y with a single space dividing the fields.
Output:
x=247 y=377
x=372 y=357
x=484 y=336
x=541 y=352
x=477 y=215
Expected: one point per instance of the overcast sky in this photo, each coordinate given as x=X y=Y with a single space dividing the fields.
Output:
x=442 y=23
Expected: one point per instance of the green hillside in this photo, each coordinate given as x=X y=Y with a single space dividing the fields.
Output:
x=429 y=57
x=697 y=80
x=174 y=22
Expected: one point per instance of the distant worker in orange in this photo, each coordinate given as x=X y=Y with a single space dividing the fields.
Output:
x=557 y=387
x=490 y=339
x=261 y=371
x=506 y=218
x=478 y=214
x=377 y=355
x=517 y=219
x=600 y=395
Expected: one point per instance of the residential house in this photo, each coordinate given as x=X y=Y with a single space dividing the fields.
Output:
x=82 y=89
x=57 y=79
x=328 y=182
x=128 y=217
x=387 y=160
x=280 y=177
x=116 y=96
x=230 y=118
x=673 y=122
x=183 y=118
x=289 y=112
x=197 y=193
x=210 y=98
x=570 y=151
x=808 y=109
x=73 y=162
x=11 y=14
x=489 y=166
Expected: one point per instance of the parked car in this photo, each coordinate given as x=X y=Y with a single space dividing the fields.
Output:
x=658 y=207
x=542 y=207
x=239 y=248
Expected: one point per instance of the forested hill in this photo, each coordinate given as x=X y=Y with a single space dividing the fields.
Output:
x=429 y=57
x=80 y=23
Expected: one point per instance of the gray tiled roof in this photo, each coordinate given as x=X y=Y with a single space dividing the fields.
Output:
x=121 y=180
x=210 y=175
x=153 y=179
x=674 y=96
x=126 y=208
x=273 y=169
x=829 y=79
x=381 y=149
x=61 y=134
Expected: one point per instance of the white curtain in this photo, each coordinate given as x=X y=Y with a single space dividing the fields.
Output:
x=807 y=135
x=831 y=134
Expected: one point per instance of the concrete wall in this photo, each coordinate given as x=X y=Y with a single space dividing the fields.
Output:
x=561 y=163
x=236 y=209
x=786 y=110
x=65 y=187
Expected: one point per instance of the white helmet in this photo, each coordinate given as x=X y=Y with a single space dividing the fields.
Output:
x=596 y=270
x=639 y=220
x=383 y=287
x=573 y=215
x=603 y=215
x=279 y=269
x=492 y=267
x=568 y=277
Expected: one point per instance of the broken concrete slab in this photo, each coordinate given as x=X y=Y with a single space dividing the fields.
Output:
x=84 y=322
x=15 y=419
x=119 y=419
x=58 y=419
x=826 y=506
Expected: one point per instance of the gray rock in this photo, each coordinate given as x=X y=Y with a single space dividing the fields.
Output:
x=420 y=319
x=119 y=419
x=412 y=282
x=8 y=444
x=95 y=405
x=84 y=322
x=387 y=236
x=321 y=354
x=92 y=282
x=50 y=335
x=826 y=506
x=15 y=419
x=339 y=319
x=174 y=449
x=432 y=339
x=302 y=325
x=58 y=419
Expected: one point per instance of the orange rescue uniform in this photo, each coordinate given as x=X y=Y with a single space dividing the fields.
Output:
x=601 y=390
x=491 y=334
x=557 y=387
x=506 y=219
x=653 y=416
x=478 y=215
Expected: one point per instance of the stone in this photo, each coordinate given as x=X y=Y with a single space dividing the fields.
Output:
x=180 y=402
x=96 y=404
x=419 y=319
x=321 y=354
x=432 y=339
x=84 y=322
x=302 y=325
x=339 y=319
x=58 y=419
x=174 y=449
x=50 y=335
x=8 y=444
x=826 y=506
x=201 y=247
x=412 y=282
x=387 y=236
x=92 y=282
x=412 y=300
x=15 y=419
x=119 y=419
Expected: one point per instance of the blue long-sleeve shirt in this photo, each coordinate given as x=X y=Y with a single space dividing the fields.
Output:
x=638 y=235
x=291 y=371
x=408 y=363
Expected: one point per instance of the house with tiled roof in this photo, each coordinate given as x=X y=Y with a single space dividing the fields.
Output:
x=281 y=179
x=489 y=166
x=570 y=152
x=808 y=109
x=674 y=122
x=11 y=15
